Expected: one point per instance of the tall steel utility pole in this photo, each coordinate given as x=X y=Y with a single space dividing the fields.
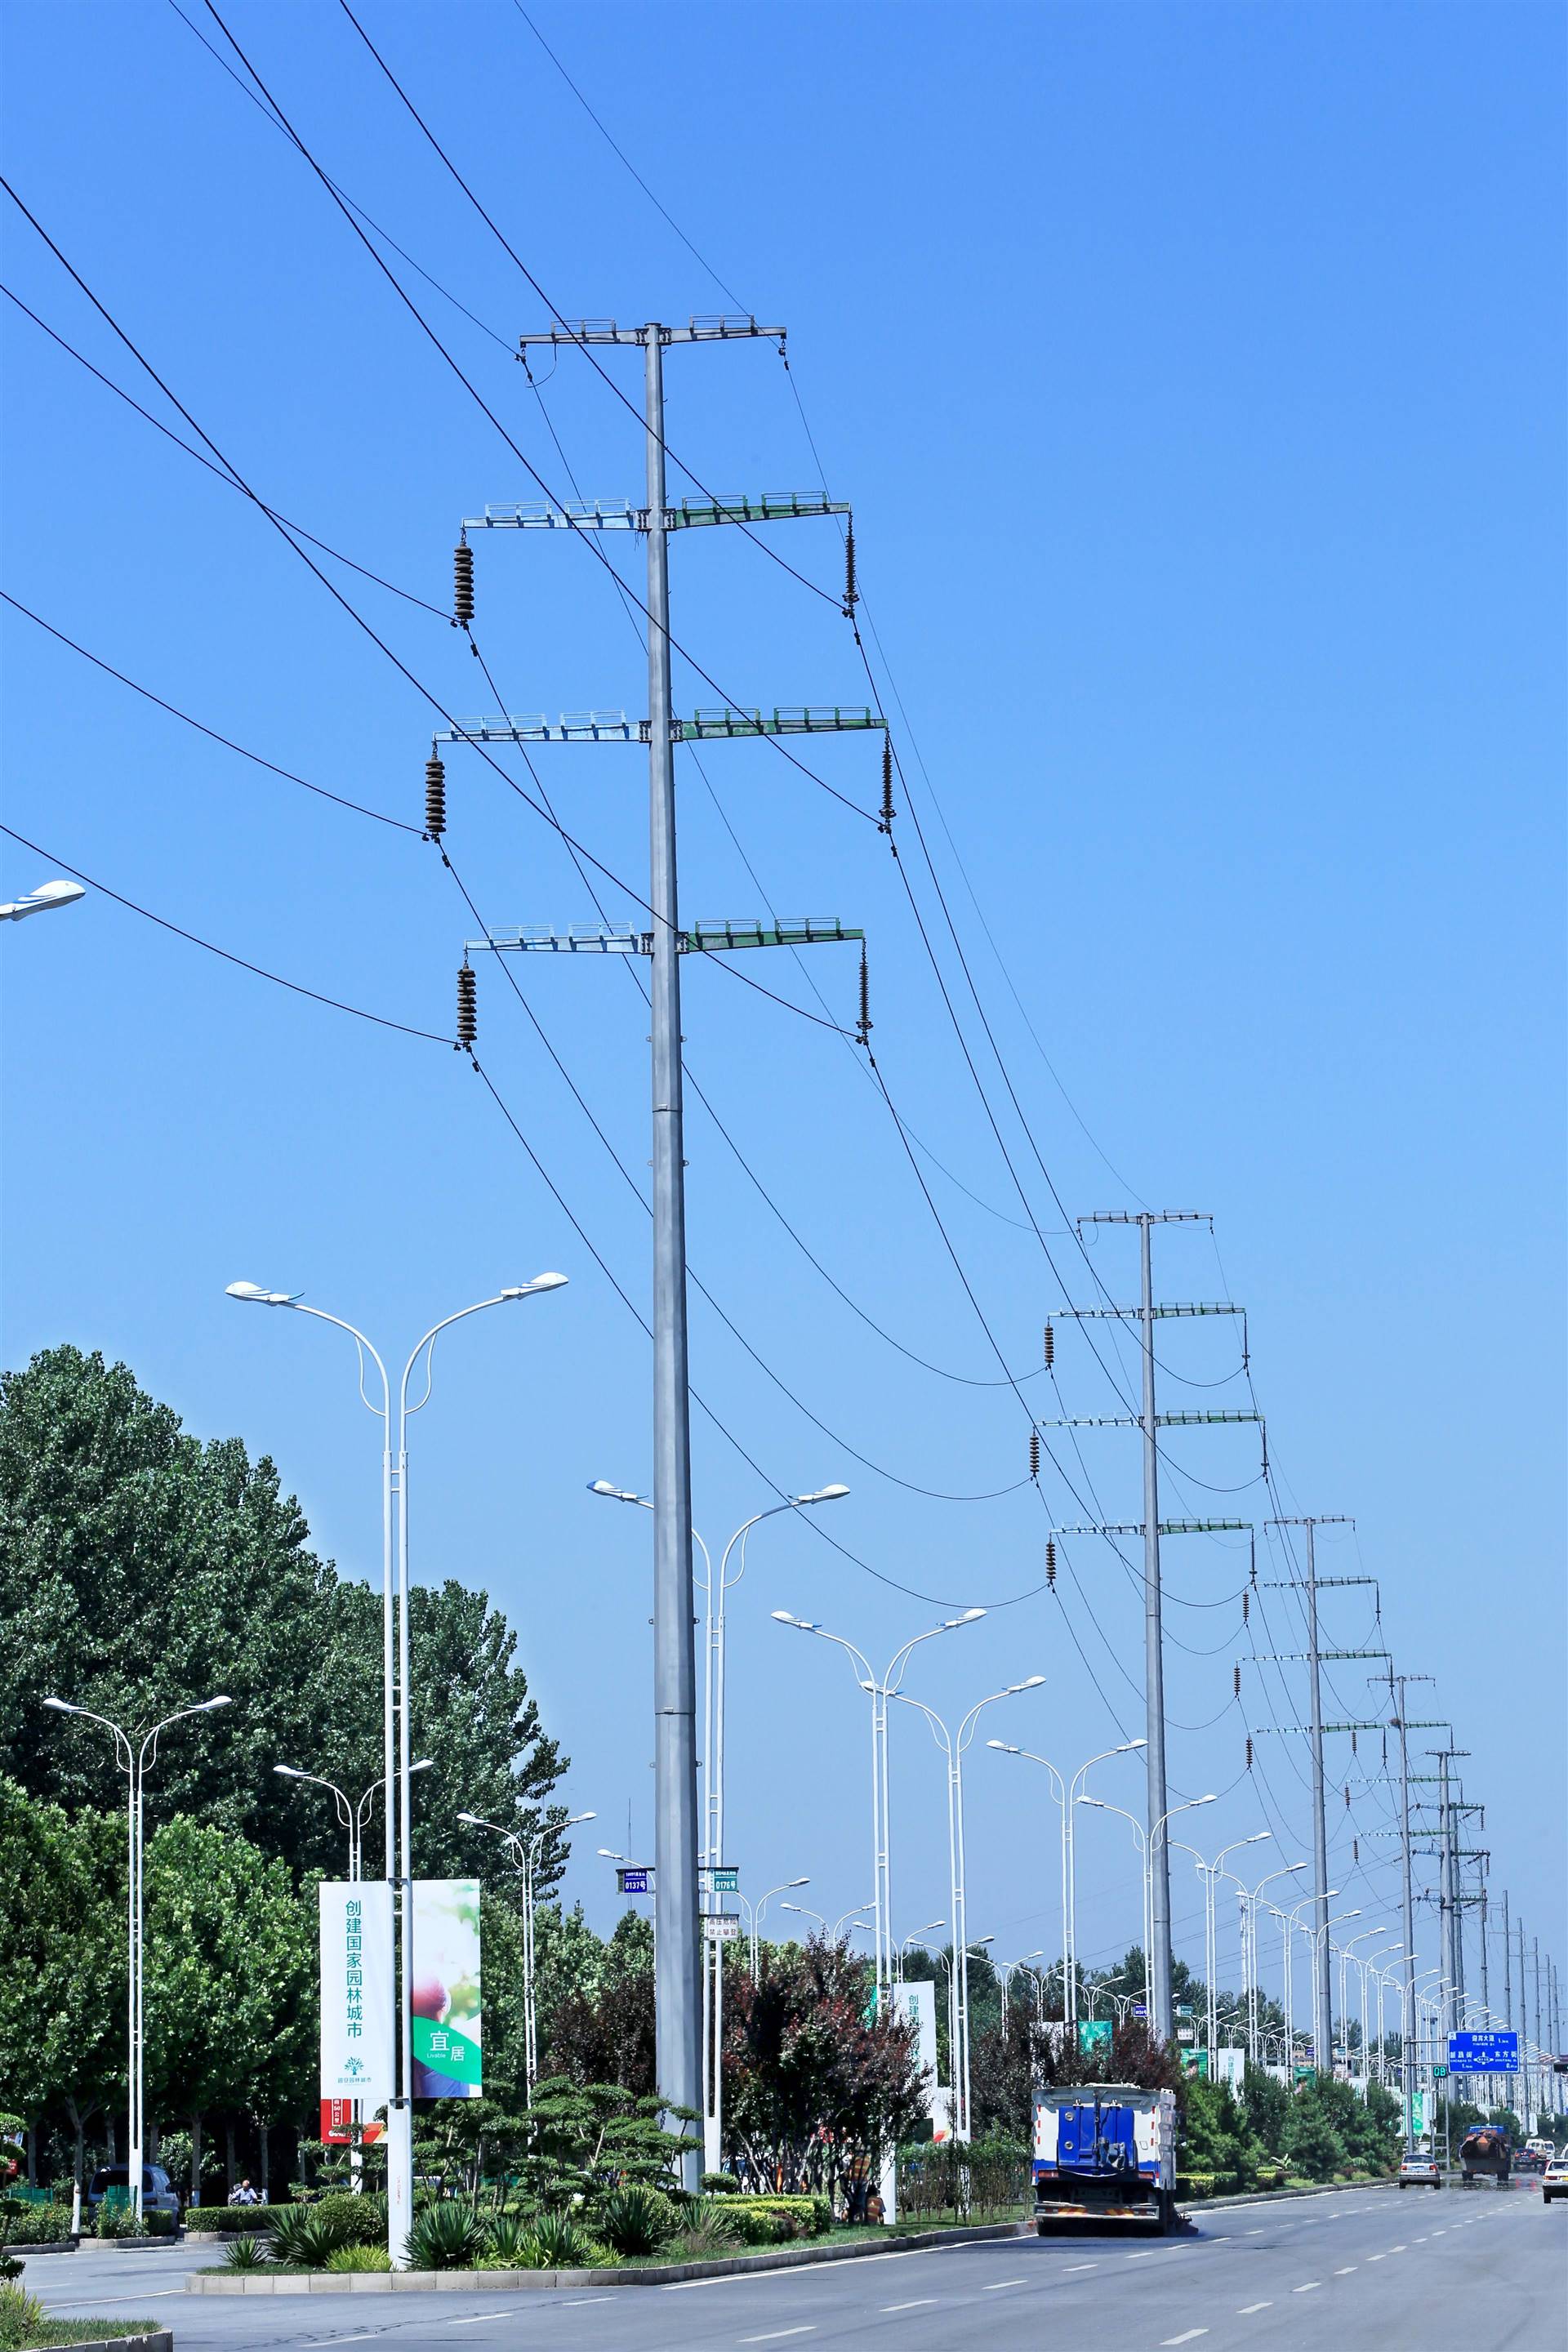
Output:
x=1507 y=1984
x=1408 y=2033
x=1150 y=1422
x=1322 y=1969
x=1525 y=2118
x=678 y=1892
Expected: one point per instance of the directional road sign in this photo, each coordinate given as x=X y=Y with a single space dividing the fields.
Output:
x=1483 y=2054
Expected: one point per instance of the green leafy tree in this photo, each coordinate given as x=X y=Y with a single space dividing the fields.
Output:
x=1266 y=2105
x=1312 y=2144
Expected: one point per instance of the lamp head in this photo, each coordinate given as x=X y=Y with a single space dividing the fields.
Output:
x=425 y=1764
x=253 y=1295
x=823 y=1494
x=797 y=1881
x=572 y=1821
x=62 y=1707
x=1128 y=1746
x=207 y=1705
x=539 y=1282
x=1005 y=1746
x=1257 y=1837
x=969 y=1616
x=1030 y=1682
x=472 y=1820
x=290 y=1771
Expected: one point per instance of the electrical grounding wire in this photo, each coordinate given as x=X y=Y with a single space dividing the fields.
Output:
x=358 y=808
x=425 y=692
x=577 y=530
x=295 y=987
x=828 y=596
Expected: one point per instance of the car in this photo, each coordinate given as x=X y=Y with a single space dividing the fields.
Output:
x=159 y=2194
x=1556 y=2183
x=1420 y=2170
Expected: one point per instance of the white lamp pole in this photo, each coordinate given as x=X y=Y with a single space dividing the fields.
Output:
x=395 y=1695
x=1144 y=1840
x=133 y=1755
x=753 y=1912
x=1210 y=1872
x=526 y=1854
x=1251 y=1899
x=953 y=1746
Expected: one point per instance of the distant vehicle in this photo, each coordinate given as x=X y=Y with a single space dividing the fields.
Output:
x=159 y=2194
x=1555 y=2182
x=1420 y=2170
x=1543 y=2148
x=1485 y=2153
x=1106 y=2152
x=1535 y=2155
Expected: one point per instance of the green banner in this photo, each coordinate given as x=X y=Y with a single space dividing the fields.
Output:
x=442 y=2050
x=445 y=1990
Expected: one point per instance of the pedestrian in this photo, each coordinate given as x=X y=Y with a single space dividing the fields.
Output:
x=246 y=2195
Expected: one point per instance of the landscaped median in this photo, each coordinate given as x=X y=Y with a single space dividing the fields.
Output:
x=845 y=2248
x=27 y=2327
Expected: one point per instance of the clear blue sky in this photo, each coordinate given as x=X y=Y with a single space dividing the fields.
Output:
x=1195 y=373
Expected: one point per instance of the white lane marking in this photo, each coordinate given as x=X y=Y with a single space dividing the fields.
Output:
x=778 y=2332
x=919 y=2301
x=577 y=2301
x=1399 y=2250
x=1186 y=2336
x=1418 y=2242
x=365 y=2338
x=1082 y=2266
x=1247 y=2309
x=473 y=2320
x=1308 y=2288
x=997 y=2285
x=1346 y=2271
x=1375 y=2258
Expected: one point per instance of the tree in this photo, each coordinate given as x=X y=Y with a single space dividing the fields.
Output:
x=605 y=2034
x=230 y=1998
x=1265 y=2104
x=1312 y=2143
x=816 y=2084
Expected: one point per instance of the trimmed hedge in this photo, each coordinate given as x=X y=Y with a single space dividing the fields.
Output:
x=769 y=2220
x=255 y=2218
x=1194 y=2186
x=36 y=2225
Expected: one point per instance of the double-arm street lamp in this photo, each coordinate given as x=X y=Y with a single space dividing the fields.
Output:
x=845 y=1924
x=1211 y=1872
x=351 y=1816
x=752 y=1914
x=1065 y=1794
x=1149 y=1842
x=134 y=1752
x=395 y=1727
x=952 y=1744
x=527 y=1854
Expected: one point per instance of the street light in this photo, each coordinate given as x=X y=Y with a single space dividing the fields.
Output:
x=952 y=1744
x=1211 y=1870
x=713 y=1730
x=1249 y=1931
x=40 y=901
x=1345 y=1951
x=753 y=1912
x=132 y=1760
x=1148 y=1842
x=1065 y=1793
x=394 y=1689
x=526 y=1852
x=351 y=1816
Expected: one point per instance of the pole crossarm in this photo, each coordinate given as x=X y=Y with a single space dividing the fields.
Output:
x=705 y=939
x=1175 y=1307
x=620 y=514
x=717 y=328
x=1146 y=1217
x=1161 y=1420
x=1167 y=1527
x=703 y=727
x=1300 y=1658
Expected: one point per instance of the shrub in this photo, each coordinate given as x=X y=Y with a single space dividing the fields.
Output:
x=510 y=2237
x=358 y=2258
x=203 y=2218
x=769 y=2220
x=358 y=2220
x=245 y=2254
x=22 y=2318
x=720 y=2184
x=634 y=2221
x=561 y=2244
x=36 y=2225
x=717 y=2218
x=10 y=2268
x=446 y=2237
x=301 y=2239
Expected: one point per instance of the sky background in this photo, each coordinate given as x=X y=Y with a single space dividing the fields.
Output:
x=1195 y=375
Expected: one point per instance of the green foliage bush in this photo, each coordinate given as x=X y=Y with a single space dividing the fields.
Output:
x=553 y=2242
x=358 y=2220
x=21 y=2318
x=510 y=2237
x=248 y=2253
x=719 y=2184
x=36 y=2225
x=301 y=2239
x=636 y=2221
x=358 y=2258
x=24 y=2323
x=772 y=2220
x=450 y=2236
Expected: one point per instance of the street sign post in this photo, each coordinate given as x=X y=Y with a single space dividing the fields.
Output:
x=723 y=1878
x=637 y=1880
x=721 y=1926
x=1483 y=2054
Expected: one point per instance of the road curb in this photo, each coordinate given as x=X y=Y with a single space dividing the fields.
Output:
x=643 y=2274
x=1279 y=2196
x=161 y=2341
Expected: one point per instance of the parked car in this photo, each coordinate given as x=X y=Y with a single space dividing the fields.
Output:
x=1420 y=2170
x=159 y=2194
x=1555 y=2183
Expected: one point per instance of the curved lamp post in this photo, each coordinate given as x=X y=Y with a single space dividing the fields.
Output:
x=527 y=1854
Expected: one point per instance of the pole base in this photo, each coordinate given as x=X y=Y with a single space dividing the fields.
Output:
x=399 y=2182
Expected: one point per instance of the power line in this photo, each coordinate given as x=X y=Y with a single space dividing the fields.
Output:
x=194 y=939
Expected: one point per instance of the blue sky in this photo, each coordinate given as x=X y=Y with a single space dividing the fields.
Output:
x=1194 y=373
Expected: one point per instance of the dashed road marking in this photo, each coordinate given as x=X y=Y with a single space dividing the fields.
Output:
x=1083 y=2266
x=997 y=2285
x=577 y=2301
x=1308 y=2288
x=1375 y=2258
x=1186 y=2336
x=775 y=2334
x=473 y=2319
x=916 y=2305
x=1247 y=2309
x=1346 y=2271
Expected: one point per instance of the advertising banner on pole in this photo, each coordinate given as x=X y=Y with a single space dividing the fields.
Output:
x=445 y=2023
x=915 y=2002
x=357 y=2004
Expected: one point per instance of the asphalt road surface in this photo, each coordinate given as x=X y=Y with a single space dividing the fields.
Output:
x=1371 y=2270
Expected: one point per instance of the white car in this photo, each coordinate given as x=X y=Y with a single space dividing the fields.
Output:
x=1420 y=2170
x=1555 y=2181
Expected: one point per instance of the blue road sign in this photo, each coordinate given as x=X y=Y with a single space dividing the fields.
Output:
x=1483 y=2054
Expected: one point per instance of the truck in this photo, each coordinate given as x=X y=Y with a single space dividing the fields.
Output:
x=1485 y=2153
x=1105 y=2152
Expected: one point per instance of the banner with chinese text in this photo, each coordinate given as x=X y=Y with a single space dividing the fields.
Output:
x=445 y=2023
x=357 y=2004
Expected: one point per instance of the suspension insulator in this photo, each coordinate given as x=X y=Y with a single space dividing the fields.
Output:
x=1353 y=1742
x=1356 y=1848
x=851 y=594
x=434 y=797
x=864 y=1022
x=1050 y=1564
x=1235 y=1681
x=1347 y=1800
x=1250 y=1754
x=885 y=821
x=1034 y=1452
x=1050 y=1346
x=1245 y=1606
x=462 y=584
x=468 y=1008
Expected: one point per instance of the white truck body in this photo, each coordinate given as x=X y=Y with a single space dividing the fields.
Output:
x=1105 y=2151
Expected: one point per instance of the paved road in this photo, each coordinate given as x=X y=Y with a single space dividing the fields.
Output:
x=1377 y=2271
